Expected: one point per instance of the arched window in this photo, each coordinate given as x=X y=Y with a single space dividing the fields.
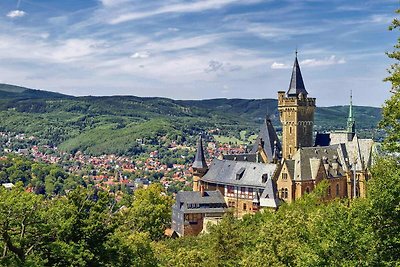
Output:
x=307 y=190
x=337 y=190
x=282 y=193
x=286 y=193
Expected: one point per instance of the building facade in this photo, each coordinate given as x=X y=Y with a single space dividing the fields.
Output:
x=277 y=171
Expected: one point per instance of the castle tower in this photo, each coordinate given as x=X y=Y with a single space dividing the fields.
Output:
x=296 y=114
x=199 y=165
x=351 y=123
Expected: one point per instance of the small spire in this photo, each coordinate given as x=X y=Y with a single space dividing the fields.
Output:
x=199 y=160
x=351 y=124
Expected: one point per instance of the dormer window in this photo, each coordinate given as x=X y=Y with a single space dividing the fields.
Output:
x=264 y=178
x=240 y=173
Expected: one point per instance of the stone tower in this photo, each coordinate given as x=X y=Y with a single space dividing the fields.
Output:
x=199 y=165
x=296 y=111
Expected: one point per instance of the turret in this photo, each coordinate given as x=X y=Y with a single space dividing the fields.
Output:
x=199 y=165
x=296 y=111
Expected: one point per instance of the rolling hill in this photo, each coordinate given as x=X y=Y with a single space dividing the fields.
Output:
x=112 y=124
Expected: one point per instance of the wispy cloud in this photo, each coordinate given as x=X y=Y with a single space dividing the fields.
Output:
x=311 y=62
x=182 y=7
x=332 y=60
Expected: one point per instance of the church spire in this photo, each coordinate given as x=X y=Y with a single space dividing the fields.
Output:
x=296 y=82
x=200 y=160
x=351 y=123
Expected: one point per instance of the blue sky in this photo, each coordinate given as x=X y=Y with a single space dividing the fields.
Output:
x=198 y=49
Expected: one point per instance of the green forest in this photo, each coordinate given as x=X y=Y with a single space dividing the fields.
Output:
x=112 y=125
x=86 y=227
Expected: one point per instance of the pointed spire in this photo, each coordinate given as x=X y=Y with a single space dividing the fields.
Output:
x=351 y=123
x=267 y=138
x=296 y=82
x=200 y=160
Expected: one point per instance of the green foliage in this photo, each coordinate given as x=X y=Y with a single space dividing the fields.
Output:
x=391 y=110
x=308 y=232
x=394 y=70
x=391 y=123
x=47 y=179
x=150 y=212
x=82 y=228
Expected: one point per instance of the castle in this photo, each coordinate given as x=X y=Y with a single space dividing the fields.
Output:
x=274 y=171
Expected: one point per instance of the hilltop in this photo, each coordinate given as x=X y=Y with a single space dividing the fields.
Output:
x=113 y=124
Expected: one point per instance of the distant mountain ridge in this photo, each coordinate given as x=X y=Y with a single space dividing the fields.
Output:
x=14 y=91
x=114 y=123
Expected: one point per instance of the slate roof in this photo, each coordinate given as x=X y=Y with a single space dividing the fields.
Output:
x=199 y=160
x=269 y=196
x=268 y=136
x=360 y=149
x=183 y=198
x=250 y=157
x=224 y=172
x=308 y=159
x=296 y=82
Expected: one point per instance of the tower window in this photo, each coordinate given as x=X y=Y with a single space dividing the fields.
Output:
x=337 y=190
x=290 y=130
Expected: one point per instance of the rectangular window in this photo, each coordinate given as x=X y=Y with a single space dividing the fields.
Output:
x=244 y=206
x=284 y=176
x=251 y=194
x=242 y=192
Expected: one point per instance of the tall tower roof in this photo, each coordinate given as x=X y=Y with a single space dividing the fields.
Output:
x=200 y=160
x=351 y=123
x=296 y=82
x=269 y=138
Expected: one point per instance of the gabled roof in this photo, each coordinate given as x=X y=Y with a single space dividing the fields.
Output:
x=269 y=137
x=296 y=82
x=200 y=202
x=308 y=159
x=224 y=172
x=199 y=160
x=360 y=149
x=269 y=195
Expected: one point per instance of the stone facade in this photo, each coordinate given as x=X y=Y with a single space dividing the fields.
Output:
x=297 y=118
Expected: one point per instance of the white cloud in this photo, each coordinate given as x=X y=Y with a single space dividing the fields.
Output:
x=16 y=14
x=197 y=6
x=312 y=62
x=110 y=3
x=140 y=55
x=277 y=66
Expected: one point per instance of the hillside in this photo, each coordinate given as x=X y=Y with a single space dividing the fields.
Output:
x=112 y=124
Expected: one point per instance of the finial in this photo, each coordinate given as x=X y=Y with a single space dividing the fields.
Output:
x=351 y=96
x=296 y=52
